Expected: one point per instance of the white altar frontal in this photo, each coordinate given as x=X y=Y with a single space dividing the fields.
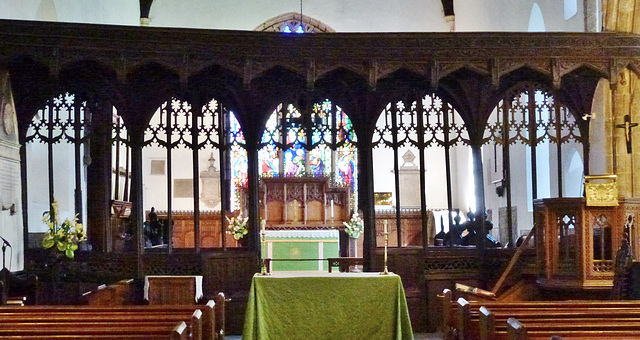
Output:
x=300 y=250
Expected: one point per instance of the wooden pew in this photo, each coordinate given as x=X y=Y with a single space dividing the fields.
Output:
x=115 y=294
x=447 y=314
x=124 y=291
x=522 y=331
x=464 y=319
x=92 y=318
x=101 y=296
x=488 y=325
x=148 y=330
x=130 y=322
x=179 y=332
x=220 y=316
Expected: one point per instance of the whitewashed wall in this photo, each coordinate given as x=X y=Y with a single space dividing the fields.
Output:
x=343 y=16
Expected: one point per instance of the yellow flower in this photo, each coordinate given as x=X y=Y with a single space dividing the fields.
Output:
x=62 y=236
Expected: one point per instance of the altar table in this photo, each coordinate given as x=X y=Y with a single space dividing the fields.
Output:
x=327 y=306
x=295 y=245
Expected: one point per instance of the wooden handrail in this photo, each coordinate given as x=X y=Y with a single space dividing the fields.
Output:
x=513 y=262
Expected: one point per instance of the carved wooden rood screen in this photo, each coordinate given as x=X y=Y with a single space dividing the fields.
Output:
x=138 y=68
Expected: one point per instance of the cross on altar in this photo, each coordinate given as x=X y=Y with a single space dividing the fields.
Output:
x=627 y=130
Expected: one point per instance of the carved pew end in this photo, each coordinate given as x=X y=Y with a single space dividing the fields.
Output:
x=516 y=330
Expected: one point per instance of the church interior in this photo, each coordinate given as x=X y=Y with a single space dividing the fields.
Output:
x=470 y=156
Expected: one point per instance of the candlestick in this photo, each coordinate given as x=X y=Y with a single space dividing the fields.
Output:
x=386 y=243
x=332 y=209
x=263 y=233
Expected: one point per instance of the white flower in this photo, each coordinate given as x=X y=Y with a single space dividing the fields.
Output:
x=355 y=226
x=237 y=226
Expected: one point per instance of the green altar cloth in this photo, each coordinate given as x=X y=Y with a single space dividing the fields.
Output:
x=294 y=245
x=327 y=306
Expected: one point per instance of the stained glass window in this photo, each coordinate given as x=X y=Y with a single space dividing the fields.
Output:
x=239 y=164
x=331 y=152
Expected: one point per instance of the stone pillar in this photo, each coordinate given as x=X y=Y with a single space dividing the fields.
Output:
x=634 y=111
x=592 y=21
x=600 y=131
x=621 y=105
x=11 y=228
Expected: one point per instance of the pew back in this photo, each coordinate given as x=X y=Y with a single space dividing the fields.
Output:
x=117 y=320
x=489 y=320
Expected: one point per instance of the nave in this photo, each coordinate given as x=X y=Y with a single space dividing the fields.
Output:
x=117 y=131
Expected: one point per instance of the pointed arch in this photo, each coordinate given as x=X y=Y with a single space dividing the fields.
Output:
x=293 y=20
x=536 y=19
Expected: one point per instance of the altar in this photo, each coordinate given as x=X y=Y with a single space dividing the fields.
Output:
x=300 y=250
x=327 y=306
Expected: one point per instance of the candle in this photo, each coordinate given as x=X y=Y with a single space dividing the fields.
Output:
x=263 y=224
x=384 y=224
x=332 y=209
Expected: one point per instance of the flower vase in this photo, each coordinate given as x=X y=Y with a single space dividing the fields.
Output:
x=57 y=268
x=353 y=247
x=242 y=242
x=353 y=252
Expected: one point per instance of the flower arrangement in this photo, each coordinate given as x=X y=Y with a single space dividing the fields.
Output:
x=355 y=226
x=62 y=236
x=237 y=226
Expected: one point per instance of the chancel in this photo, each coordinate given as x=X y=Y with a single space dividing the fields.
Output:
x=227 y=151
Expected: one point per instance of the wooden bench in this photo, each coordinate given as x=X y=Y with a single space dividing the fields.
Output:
x=487 y=320
x=519 y=331
x=179 y=332
x=485 y=324
x=117 y=321
x=148 y=329
x=220 y=316
x=115 y=294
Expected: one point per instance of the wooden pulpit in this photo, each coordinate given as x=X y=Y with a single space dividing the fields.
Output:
x=576 y=243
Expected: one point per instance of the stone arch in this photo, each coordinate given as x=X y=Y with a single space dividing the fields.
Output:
x=293 y=19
